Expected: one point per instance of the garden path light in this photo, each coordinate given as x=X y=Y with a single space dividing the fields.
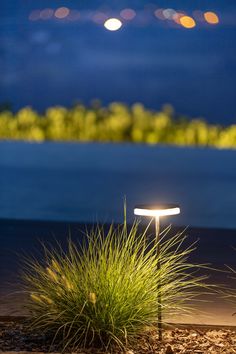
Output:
x=156 y=211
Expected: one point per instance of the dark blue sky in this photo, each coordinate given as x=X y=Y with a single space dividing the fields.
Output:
x=44 y=63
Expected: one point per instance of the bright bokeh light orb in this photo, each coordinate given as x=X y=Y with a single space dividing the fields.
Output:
x=62 y=12
x=211 y=17
x=187 y=22
x=112 y=24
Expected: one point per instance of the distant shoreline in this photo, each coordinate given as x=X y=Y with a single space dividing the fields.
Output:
x=126 y=143
x=47 y=223
x=115 y=123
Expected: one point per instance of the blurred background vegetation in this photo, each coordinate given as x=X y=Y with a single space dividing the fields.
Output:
x=115 y=123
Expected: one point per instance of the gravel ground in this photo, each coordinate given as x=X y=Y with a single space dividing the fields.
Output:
x=14 y=337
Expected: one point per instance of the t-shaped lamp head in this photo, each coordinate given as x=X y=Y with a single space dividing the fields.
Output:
x=156 y=210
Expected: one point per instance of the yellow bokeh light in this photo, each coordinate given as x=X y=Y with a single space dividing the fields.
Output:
x=113 y=24
x=211 y=17
x=187 y=22
x=62 y=12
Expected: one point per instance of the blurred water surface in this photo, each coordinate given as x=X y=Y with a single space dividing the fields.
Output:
x=87 y=182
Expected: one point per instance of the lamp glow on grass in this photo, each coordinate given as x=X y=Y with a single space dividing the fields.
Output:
x=104 y=291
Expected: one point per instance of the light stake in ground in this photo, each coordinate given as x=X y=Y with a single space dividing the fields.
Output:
x=156 y=211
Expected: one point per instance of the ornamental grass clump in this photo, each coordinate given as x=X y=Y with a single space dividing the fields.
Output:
x=105 y=290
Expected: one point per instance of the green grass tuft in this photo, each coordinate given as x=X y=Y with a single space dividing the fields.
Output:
x=105 y=291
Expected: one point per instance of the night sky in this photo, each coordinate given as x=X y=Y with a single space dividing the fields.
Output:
x=53 y=61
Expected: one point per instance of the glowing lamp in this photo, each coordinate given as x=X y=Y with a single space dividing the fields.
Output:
x=156 y=211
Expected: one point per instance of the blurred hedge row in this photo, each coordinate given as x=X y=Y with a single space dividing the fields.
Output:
x=115 y=123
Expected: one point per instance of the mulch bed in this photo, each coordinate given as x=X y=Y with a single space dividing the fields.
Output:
x=15 y=337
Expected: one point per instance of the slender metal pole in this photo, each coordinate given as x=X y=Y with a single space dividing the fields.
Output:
x=159 y=312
